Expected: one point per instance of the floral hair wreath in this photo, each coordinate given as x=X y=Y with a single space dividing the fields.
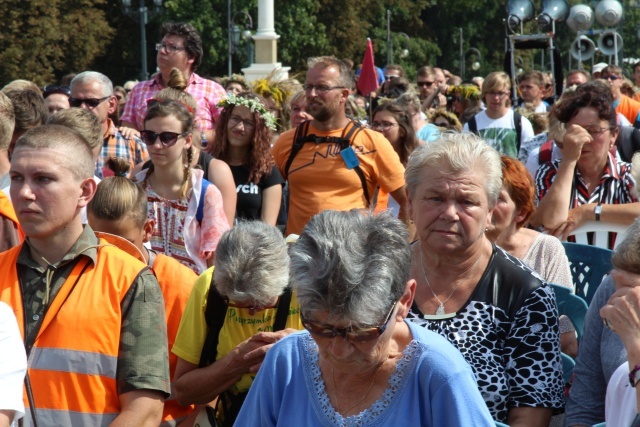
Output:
x=253 y=105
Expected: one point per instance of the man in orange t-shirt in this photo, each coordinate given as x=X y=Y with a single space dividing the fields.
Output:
x=320 y=176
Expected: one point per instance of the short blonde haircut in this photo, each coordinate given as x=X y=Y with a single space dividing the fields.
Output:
x=80 y=159
x=82 y=121
x=7 y=121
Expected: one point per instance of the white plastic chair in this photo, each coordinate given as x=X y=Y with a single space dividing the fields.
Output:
x=600 y=232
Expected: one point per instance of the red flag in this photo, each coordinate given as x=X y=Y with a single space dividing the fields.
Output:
x=368 y=80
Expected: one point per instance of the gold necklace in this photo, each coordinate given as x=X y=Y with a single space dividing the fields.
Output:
x=440 y=310
x=335 y=393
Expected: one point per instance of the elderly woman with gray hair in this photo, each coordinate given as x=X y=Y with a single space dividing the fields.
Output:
x=236 y=311
x=487 y=303
x=359 y=363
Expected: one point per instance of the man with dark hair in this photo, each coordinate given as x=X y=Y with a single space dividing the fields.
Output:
x=91 y=316
x=30 y=111
x=181 y=48
x=331 y=162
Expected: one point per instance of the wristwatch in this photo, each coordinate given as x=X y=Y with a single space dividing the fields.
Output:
x=598 y=211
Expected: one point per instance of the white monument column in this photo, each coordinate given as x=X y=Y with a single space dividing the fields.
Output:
x=266 y=46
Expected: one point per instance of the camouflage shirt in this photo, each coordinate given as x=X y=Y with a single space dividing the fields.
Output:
x=143 y=359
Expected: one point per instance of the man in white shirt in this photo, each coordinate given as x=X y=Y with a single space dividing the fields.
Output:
x=497 y=124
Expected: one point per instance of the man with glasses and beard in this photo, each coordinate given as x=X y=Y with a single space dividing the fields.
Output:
x=622 y=103
x=93 y=91
x=330 y=161
x=181 y=48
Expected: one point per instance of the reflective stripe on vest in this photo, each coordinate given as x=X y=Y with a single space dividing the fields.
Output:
x=82 y=362
x=73 y=362
x=54 y=417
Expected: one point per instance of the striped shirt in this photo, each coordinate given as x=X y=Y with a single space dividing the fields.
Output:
x=206 y=93
x=115 y=145
x=616 y=186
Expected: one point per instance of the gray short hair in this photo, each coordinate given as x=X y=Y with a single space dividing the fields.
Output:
x=252 y=263
x=352 y=265
x=89 y=76
x=460 y=152
x=627 y=255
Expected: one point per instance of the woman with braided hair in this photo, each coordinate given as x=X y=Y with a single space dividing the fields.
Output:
x=175 y=190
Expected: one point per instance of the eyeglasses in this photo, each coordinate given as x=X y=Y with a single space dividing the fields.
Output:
x=500 y=95
x=390 y=77
x=383 y=126
x=168 y=139
x=611 y=77
x=91 y=103
x=236 y=120
x=319 y=88
x=597 y=131
x=425 y=84
x=51 y=89
x=251 y=308
x=352 y=334
x=169 y=48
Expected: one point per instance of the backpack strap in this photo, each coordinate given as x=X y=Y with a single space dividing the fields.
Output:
x=473 y=125
x=517 y=121
x=349 y=133
x=203 y=190
x=298 y=142
x=282 y=311
x=214 y=315
x=544 y=155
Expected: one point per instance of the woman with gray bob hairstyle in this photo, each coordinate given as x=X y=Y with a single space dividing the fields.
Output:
x=252 y=263
x=359 y=362
x=486 y=302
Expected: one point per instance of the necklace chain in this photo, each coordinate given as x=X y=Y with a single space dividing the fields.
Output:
x=440 y=310
x=373 y=380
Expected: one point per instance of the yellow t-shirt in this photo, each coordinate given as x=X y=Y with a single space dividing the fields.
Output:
x=319 y=180
x=238 y=326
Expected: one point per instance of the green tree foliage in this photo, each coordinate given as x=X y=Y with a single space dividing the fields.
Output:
x=42 y=39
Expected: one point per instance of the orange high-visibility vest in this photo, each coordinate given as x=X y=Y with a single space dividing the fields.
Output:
x=6 y=210
x=72 y=365
x=176 y=281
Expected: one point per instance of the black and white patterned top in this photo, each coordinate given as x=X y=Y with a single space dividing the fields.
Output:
x=508 y=332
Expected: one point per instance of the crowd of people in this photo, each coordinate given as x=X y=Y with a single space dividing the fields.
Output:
x=193 y=251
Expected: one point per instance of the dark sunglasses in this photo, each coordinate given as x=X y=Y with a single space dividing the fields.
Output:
x=611 y=77
x=425 y=84
x=51 y=89
x=352 y=334
x=167 y=139
x=89 y=102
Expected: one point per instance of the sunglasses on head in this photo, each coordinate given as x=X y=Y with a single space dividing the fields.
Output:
x=89 y=102
x=51 y=89
x=167 y=139
x=352 y=334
